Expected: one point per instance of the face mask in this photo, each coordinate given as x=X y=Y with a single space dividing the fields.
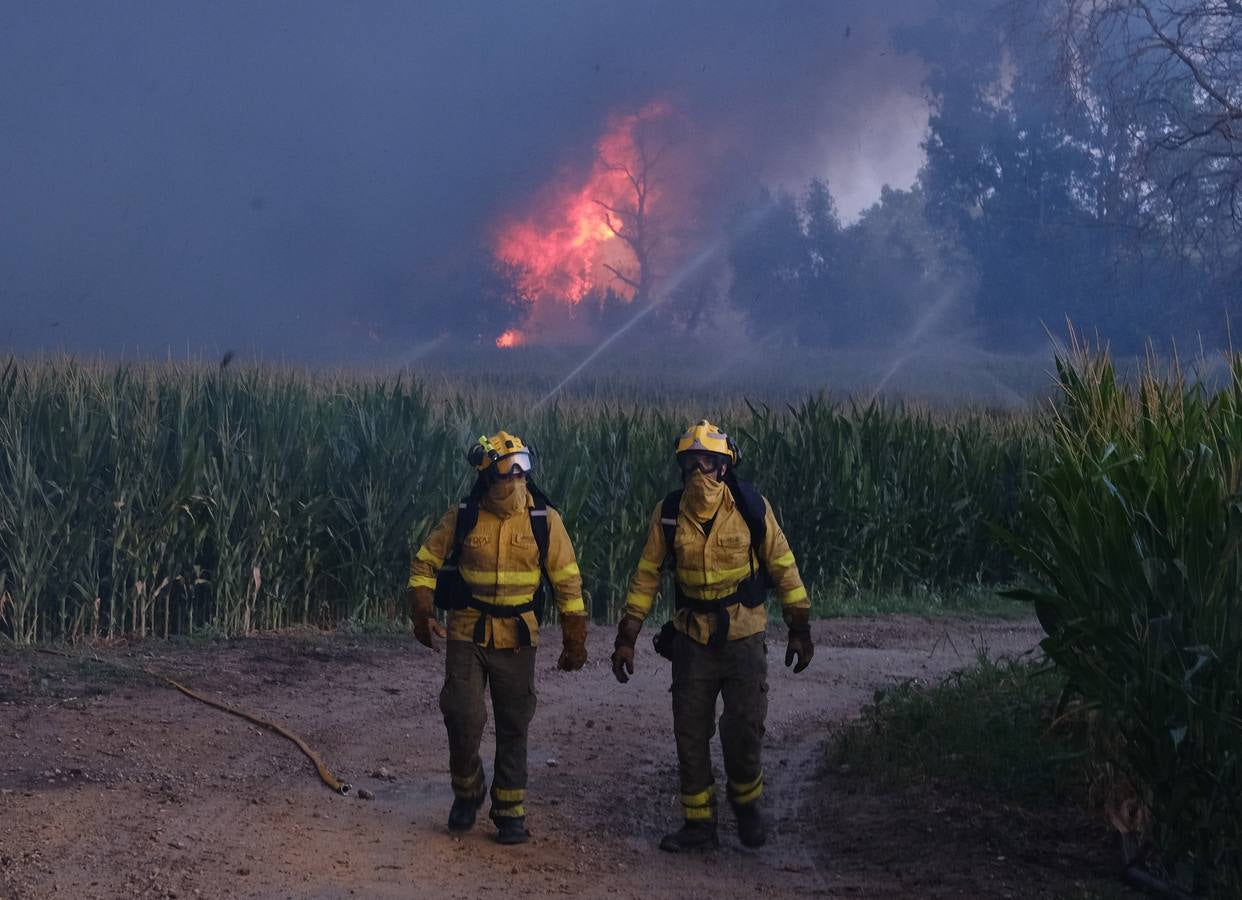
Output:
x=702 y=495
x=506 y=496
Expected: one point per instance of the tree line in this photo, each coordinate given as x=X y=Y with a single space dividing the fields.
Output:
x=1083 y=161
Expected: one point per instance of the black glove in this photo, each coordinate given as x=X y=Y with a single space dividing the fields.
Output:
x=800 y=645
x=623 y=655
x=423 y=612
x=573 y=643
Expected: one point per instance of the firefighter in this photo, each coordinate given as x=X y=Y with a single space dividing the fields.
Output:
x=486 y=563
x=726 y=550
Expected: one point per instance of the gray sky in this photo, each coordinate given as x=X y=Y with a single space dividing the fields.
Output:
x=272 y=176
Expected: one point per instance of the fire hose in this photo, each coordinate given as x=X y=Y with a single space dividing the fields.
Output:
x=325 y=775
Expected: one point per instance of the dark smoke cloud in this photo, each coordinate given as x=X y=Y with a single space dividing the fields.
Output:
x=274 y=177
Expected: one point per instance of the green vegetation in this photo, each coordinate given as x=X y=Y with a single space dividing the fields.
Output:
x=164 y=499
x=1132 y=538
x=182 y=500
x=967 y=600
x=1135 y=534
x=986 y=726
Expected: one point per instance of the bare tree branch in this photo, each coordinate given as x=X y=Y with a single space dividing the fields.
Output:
x=1169 y=74
x=622 y=277
x=631 y=223
x=1233 y=111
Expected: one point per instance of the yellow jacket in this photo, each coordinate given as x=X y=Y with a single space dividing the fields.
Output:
x=710 y=566
x=500 y=563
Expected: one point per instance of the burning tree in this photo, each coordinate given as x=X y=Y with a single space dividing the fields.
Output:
x=628 y=217
x=592 y=235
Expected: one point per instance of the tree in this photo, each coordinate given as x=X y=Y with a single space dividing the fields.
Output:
x=1170 y=72
x=469 y=295
x=1045 y=195
x=1175 y=69
x=629 y=217
x=770 y=261
x=1001 y=177
x=907 y=279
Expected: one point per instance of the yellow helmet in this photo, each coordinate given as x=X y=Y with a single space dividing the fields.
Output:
x=503 y=450
x=704 y=437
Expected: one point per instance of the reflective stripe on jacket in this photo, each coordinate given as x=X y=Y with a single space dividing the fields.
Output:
x=709 y=566
x=500 y=563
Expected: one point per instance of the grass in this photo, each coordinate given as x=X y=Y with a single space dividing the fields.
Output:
x=963 y=787
x=985 y=726
x=966 y=601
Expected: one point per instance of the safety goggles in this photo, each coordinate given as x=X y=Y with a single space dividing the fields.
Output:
x=708 y=463
x=513 y=465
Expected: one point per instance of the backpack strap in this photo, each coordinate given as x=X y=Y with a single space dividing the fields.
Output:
x=539 y=526
x=451 y=591
x=752 y=507
x=669 y=510
x=750 y=504
x=487 y=610
x=467 y=518
x=754 y=510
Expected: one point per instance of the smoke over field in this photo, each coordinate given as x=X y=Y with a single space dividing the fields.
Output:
x=306 y=182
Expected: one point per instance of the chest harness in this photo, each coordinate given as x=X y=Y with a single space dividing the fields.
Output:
x=452 y=592
x=751 y=591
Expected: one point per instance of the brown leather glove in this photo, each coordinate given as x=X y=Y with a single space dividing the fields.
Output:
x=799 y=621
x=423 y=612
x=573 y=643
x=623 y=655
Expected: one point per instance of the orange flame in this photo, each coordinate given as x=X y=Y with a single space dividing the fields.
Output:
x=561 y=254
x=510 y=338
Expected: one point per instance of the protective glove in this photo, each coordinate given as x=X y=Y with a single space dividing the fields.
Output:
x=423 y=612
x=623 y=654
x=573 y=643
x=799 y=621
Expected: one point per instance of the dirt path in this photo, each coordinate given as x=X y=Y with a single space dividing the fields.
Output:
x=114 y=786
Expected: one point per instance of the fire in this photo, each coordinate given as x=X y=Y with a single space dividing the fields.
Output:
x=510 y=338
x=562 y=253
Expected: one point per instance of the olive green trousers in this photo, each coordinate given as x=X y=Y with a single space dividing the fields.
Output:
x=736 y=671
x=468 y=671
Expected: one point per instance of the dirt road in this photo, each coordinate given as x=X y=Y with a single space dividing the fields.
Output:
x=115 y=786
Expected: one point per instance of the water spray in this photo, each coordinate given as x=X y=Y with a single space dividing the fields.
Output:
x=662 y=297
x=415 y=352
x=908 y=345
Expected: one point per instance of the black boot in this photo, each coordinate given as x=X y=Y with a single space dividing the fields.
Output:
x=461 y=816
x=697 y=835
x=751 y=828
x=512 y=829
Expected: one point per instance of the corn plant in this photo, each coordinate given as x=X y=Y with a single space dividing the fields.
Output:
x=1136 y=535
x=157 y=499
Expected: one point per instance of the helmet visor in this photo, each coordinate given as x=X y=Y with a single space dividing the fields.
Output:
x=514 y=464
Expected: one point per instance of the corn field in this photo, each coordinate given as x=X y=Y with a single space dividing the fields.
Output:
x=166 y=499
x=1135 y=534
x=170 y=500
